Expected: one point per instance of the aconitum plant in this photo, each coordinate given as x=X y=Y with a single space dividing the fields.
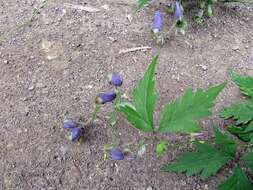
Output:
x=204 y=10
x=182 y=116
x=76 y=129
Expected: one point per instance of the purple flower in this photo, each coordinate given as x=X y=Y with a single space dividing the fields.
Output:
x=178 y=11
x=75 y=133
x=115 y=79
x=116 y=154
x=157 y=22
x=105 y=97
x=69 y=124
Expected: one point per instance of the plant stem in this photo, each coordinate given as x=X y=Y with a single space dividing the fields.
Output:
x=95 y=112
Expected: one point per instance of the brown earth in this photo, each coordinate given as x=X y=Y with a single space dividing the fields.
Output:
x=52 y=69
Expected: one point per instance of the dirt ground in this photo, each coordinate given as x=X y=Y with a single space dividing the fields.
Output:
x=52 y=69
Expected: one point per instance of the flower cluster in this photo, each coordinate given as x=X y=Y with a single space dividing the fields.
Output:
x=75 y=130
x=114 y=79
x=158 y=21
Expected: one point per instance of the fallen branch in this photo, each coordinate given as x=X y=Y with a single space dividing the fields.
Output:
x=82 y=8
x=144 y=48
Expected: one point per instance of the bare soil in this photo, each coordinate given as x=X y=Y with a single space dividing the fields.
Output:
x=52 y=69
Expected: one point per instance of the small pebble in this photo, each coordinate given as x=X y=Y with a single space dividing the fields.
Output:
x=203 y=67
x=235 y=48
x=31 y=88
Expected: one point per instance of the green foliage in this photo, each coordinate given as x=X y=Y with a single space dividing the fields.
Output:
x=206 y=160
x=161 y=148
x=241 y=134
x=248 y=159
x=140 y=114
x=142 y=3
x=242 y=112
x=245 y=83
x=238 y=181
x=182 y=115
x=225 y=143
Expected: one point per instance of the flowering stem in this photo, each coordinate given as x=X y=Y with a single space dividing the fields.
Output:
x=118 y=97
x=95 y=112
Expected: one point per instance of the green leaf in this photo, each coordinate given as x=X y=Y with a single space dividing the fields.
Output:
x=249 y=127
x=241 y=134
x=161 y=148
x=142 y=3
x=245 y=83
x=206 y=160
x=144 y=97
x=182 y=115
x=248 y=159
x=133 y=116
x=226 y=144
x=242 y=112
x=238 y=181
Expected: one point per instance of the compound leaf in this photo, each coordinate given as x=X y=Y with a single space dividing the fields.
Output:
x=238 y=181
x=140 y=114
x=206 y=160
x=245 y=83
x=241 y=134
x=242 y=112
x=226 y=144
x=182 y=115
x=248 y=159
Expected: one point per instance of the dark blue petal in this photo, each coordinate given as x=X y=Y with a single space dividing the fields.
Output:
x=178 y=11
x=69 y=124
x=116 y=154
x=75 y=133
x=157 y=22
x=106 y=97
x=116 y=79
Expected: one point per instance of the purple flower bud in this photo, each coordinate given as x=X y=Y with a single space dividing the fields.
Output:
x=75 y=133
x=115 y=79
x=104 y=97
x=116 y=154
x=178 y=11
x=157 y=22
x=69 y=124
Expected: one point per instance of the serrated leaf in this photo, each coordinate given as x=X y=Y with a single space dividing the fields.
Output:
x=226 y=144
x=140 y=114
x=238 y=181
x=206 y=161
x=248 y=159
x=245 y=83
x=241 y=134
x=242 y=112
x=133 y=116
x=142 y=3
x=182 y=115
x=249 y=127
